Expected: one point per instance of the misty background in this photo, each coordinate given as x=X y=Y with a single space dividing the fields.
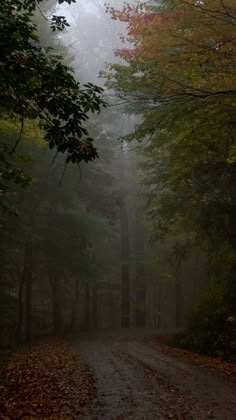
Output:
x=80 y=254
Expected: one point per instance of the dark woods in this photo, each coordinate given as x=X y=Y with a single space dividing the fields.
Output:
x=124 y=217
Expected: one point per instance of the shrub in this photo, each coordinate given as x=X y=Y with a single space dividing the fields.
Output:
x=212 y=325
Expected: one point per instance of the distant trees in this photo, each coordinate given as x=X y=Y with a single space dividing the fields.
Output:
x=52 y=254
x=42 y=104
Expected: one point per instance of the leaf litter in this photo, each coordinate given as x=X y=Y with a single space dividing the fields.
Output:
x=45 y=381
x=215 y=364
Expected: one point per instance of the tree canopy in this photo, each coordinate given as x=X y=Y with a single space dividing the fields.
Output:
x=179 y=65
x=178 y=72
x=35 y=84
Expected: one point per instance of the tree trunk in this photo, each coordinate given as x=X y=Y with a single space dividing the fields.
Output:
x=125 y=275
x=27 y=273
x=159 y=304
x=19 y=327
x=140 y=283
x=95 y=303
x=56 y=305
x=75 y=305
x=178 y=304
x=87 y=305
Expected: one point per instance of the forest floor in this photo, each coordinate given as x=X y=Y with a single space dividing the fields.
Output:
x=115 y=375
x=46 y=380
x=141 y=378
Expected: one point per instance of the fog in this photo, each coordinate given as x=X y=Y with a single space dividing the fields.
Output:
x=92 y=38
x=117 y=209
x=84 y=250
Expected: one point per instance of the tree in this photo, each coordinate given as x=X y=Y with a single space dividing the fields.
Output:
x=179 y=70
x=36 y=85
x=61 y=249
x=182 y=69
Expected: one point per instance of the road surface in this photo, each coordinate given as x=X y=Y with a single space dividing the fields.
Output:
x=135 y=381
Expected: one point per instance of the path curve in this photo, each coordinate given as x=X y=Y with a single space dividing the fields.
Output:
x=134 y=381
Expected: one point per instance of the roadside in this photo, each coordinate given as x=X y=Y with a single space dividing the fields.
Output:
x=46 y=380
x=115 y=375
x=216 y=364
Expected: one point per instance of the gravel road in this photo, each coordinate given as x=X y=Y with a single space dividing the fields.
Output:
x=134 y=381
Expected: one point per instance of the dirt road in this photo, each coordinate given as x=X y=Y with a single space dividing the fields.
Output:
x=134 y=381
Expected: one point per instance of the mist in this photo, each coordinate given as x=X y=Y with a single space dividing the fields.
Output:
x=117 y=215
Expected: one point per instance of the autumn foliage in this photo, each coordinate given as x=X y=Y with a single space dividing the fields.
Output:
x=182 y=47
x=177 y=69
x=44 y=381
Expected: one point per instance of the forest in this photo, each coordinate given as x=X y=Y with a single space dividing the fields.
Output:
x=118 y=170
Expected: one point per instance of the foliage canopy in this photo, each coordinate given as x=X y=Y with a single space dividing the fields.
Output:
x=178 y=69
x=35 y=84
